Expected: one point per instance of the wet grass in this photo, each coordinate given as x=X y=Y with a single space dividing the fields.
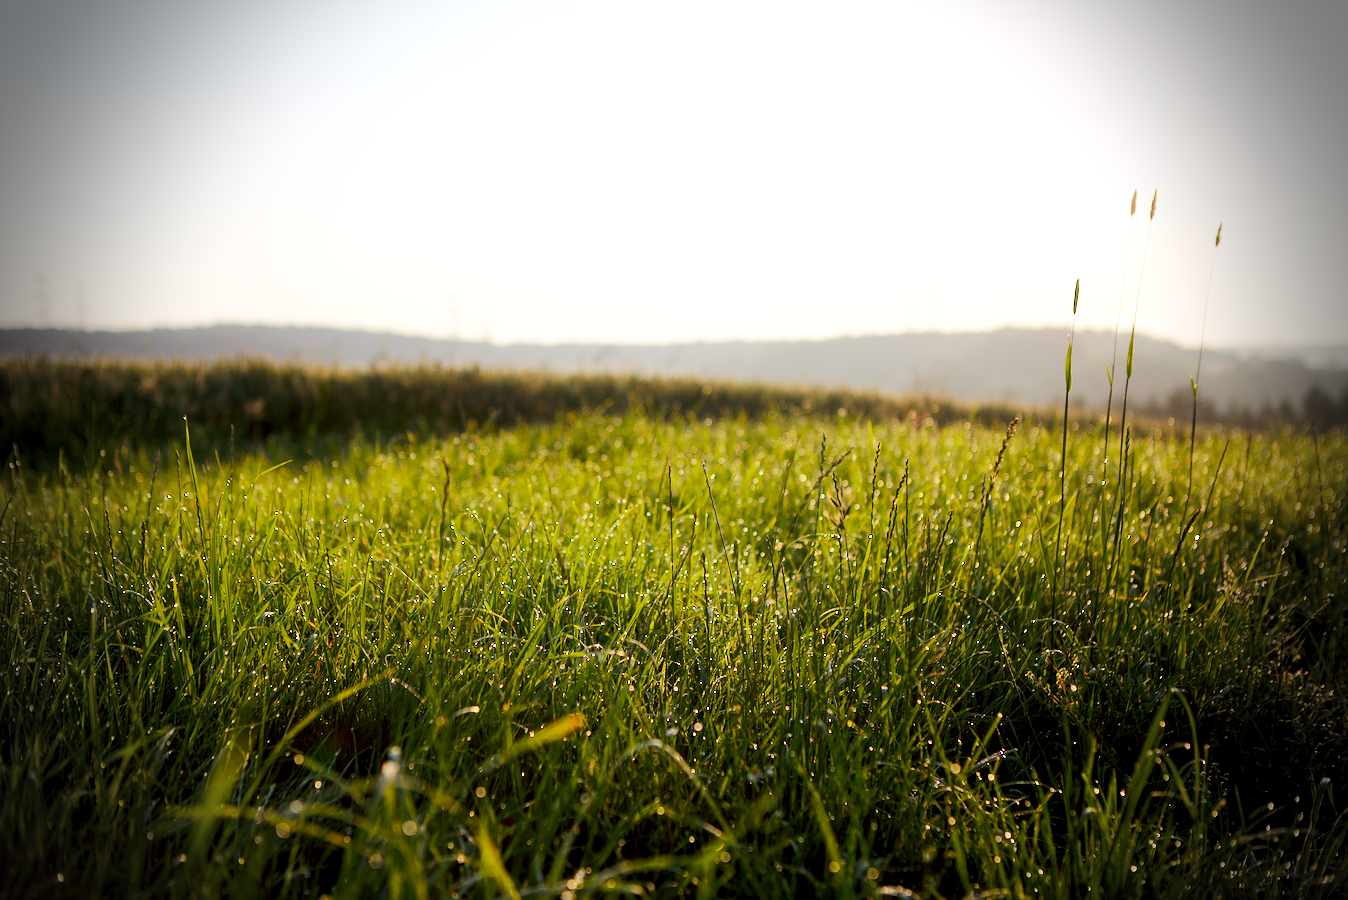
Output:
x=643 y=654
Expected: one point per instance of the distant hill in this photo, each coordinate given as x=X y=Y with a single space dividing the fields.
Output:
x=1014 y=365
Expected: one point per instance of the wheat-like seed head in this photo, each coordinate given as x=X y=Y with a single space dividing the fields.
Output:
x=1153 y=203
x=1076 y=295
x=1132 y=210
x=1218 y=242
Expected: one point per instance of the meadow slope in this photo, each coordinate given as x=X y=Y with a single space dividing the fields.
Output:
x=786 y=655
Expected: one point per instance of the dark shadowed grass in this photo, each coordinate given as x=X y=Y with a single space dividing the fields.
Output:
x=78 y=408
x=621 y=653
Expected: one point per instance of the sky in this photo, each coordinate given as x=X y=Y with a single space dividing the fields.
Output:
x=656 y=172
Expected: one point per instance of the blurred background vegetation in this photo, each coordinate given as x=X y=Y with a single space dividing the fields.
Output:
x=51 y=407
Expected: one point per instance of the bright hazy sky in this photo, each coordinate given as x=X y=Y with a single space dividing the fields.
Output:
x=653 y=172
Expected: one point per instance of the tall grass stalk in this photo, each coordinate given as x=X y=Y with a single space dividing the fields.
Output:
x=1185 y=522
x=1127 y=381
x=1198 y=371
x=1113 y=363
x=1059 y=552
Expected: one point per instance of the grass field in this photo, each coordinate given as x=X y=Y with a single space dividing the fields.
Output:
x=791 y=654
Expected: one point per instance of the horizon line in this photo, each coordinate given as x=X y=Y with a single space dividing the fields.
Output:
x=487 y=342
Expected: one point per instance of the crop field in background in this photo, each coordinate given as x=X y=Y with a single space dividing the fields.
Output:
x=637 y=648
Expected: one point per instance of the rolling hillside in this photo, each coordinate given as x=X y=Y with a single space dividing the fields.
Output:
x=1009 y=365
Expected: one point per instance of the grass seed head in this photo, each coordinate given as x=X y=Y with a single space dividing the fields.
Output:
x=1076 y=295
x=1132 y=210
x=1218 y=242
x=1153 y=204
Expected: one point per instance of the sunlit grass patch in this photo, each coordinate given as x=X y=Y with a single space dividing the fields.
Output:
x=628 y=653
